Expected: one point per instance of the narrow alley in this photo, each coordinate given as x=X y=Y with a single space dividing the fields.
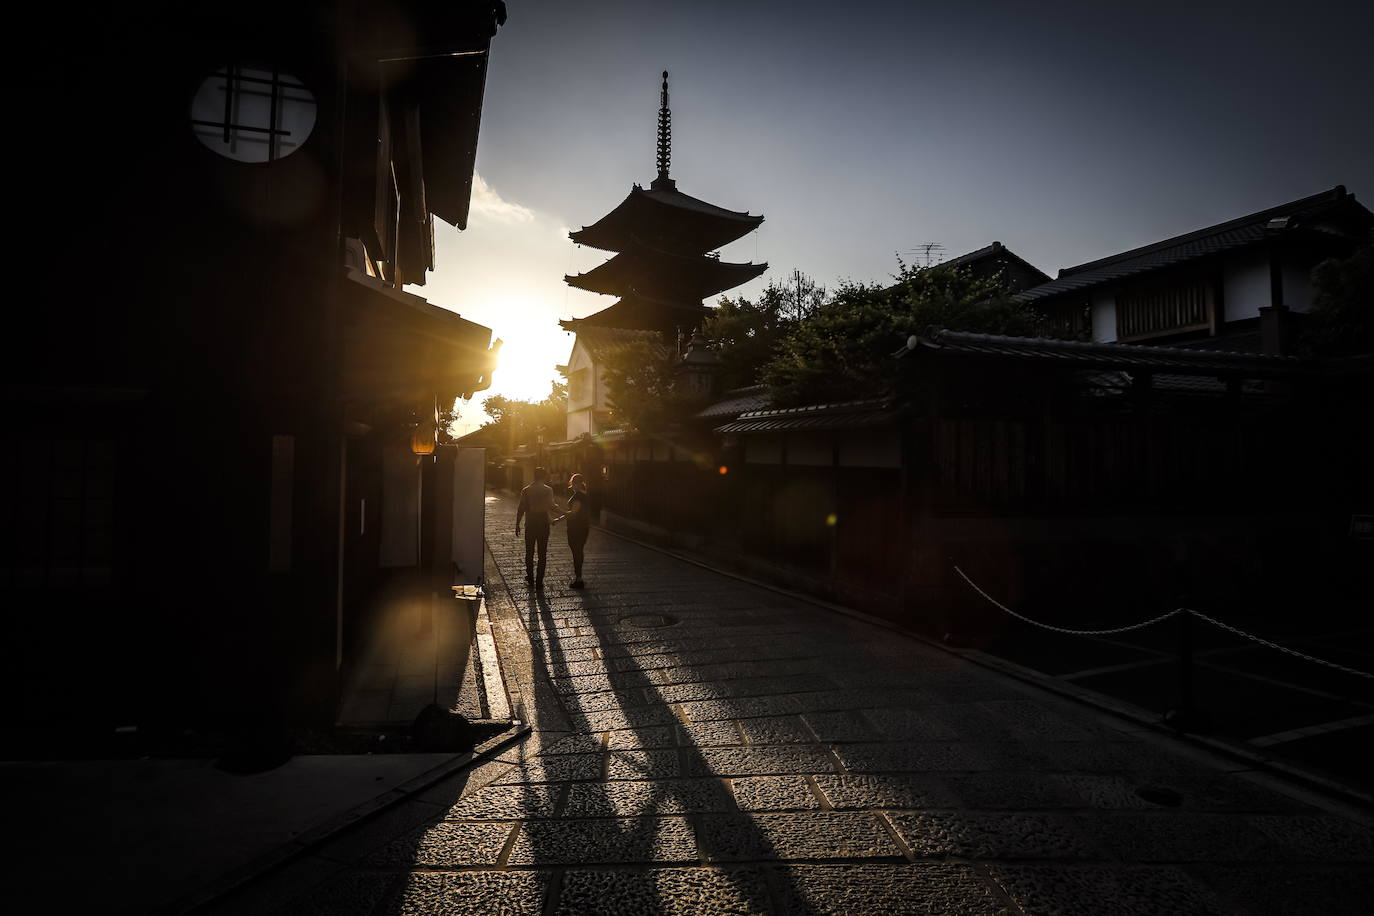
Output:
x=702 y=745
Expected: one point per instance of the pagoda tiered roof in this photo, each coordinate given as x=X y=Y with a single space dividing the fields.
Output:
x=666 y=261
x=640 y=312
x=665 y=218
x=661 y=274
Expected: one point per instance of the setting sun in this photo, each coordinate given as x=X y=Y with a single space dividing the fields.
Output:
x=527 y=366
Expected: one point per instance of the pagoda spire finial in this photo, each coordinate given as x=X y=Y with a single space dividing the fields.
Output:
x=665 y=138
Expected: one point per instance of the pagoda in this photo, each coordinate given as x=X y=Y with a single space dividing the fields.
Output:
x=666 y=258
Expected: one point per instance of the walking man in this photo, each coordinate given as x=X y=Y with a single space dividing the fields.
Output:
x=579 y=525
x=536 y=501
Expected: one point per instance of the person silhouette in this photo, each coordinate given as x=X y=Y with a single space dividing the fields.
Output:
x=536 y=502
x=579 y=525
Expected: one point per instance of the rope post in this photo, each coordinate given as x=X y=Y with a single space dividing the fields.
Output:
x=1185 y=716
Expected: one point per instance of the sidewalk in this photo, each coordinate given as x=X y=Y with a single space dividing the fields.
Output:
x=156 y=835
x=701 y=745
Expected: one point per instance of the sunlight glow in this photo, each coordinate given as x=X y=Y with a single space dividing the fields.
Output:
x=527 y=367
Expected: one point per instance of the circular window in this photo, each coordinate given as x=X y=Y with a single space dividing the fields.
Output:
x=252 y=114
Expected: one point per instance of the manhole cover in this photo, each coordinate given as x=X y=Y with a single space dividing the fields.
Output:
x=648 y=621
x=1157 y=795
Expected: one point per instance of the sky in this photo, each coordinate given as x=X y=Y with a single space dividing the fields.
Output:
x=1067 y=130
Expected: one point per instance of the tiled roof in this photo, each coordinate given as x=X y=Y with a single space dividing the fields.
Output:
x=1107 y=383
x=1127 y=357
x=1227 y=236
x=736 y=402
x=666 y=210
x=996 y=249
x=639 y=312
x=848 y=415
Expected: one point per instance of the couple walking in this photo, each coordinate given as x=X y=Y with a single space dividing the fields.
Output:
x=537 y=507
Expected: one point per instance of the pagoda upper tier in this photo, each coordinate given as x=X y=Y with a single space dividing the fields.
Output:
x=665 y=265
x=661 y=274
x=663 y=217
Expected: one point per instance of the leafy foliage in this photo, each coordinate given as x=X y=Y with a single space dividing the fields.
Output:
x=746 y=334
x=515 y=422
x=1341 y=322
x=642 y=389
x=844 y=351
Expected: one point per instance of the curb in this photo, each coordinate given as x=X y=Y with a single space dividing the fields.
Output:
x=1331 y=790
x=318 y=835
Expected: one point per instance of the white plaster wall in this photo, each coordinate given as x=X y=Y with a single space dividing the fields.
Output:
x=579 y=360
x=579 y=422
x=877 y=448
x=599 y=388
x=1245 y=285
x=811 y=450
x=1103 y=311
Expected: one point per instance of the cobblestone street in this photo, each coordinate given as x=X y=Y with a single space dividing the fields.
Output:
x=701 y=745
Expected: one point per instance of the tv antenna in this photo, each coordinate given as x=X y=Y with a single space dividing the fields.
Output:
x=928 y=253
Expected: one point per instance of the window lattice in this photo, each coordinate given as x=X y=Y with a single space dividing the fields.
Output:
x=1160 y=311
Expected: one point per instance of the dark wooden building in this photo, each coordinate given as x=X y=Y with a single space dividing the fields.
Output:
x=217 y=387
x=1081 y=478
x=1242 y=284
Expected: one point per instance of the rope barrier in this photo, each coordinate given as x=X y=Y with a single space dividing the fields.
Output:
x=1278 y=648
x=1051 y=627
x=1162 y=617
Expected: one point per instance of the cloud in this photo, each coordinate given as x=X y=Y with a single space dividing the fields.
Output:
x=488 y=206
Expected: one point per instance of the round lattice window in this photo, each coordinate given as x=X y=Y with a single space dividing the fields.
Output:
x=252 y=114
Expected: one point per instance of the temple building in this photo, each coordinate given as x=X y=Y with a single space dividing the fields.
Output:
x=666 y=263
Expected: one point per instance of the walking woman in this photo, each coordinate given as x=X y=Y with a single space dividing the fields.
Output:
x=579 y=521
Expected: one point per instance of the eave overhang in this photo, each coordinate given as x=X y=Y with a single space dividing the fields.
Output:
x=652 y=272
x=666 y=219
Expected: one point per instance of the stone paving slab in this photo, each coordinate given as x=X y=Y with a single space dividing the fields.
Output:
x=649 y=797
x=776 y=793
x=557 y=768
x=506 y=803
x=669 y=892
x=1094 y=890
x=901 y=890
x=634 y=840
x=884 y=793
x=808 y=835
x=446 y=844
x=764 y=756
x=653 y=736
x=934 y=756
x=994 y=836
x=511 y=893
x=759 y=761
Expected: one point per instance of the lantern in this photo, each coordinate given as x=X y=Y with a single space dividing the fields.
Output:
x=425 y=434
x=422 y=440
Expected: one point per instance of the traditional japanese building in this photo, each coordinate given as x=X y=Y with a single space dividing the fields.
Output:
x=667 y=261
x=236 y=451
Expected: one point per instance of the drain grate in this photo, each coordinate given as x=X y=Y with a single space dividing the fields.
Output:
x=1158 y=795
x=648 y=621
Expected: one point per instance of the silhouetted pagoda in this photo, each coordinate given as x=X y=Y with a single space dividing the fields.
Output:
x=667 y=260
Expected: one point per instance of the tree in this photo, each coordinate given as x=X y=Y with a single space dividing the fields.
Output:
x=746 y=334
x=844 y=350
x=642 y=389
x=517 y=422
x=1341 y=322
